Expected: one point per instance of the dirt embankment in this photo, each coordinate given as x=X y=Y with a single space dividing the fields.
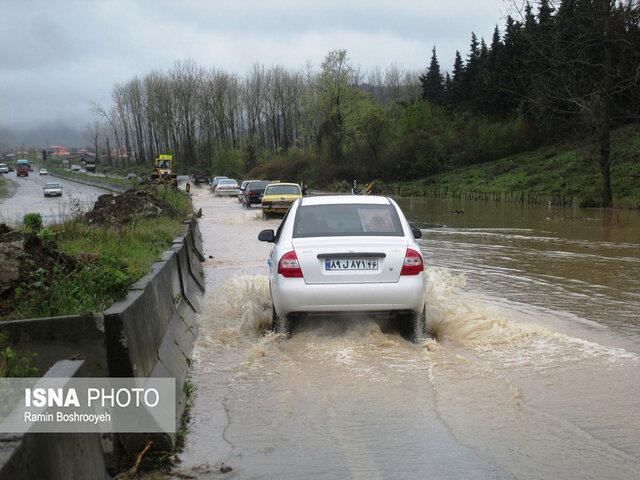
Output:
x=127 y=207
x=27 y=262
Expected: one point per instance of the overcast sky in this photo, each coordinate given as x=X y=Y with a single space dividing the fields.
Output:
x=57 y=55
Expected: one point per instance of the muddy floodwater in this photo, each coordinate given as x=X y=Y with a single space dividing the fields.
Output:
x=534 y=372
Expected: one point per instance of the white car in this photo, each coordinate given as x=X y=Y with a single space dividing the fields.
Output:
x=75 y=168
x=226 y=186
x=4 y=168
x=43 y=171
x=52 y=190
x=349 y=253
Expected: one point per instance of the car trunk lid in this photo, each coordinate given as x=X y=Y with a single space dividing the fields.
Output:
x=351 y=260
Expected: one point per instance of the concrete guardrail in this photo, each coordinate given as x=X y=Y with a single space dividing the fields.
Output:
x=106 y=185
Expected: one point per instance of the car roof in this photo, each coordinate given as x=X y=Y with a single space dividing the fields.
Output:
x=345 y=200
x=282 y=183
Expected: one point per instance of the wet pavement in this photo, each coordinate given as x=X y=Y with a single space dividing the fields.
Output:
x=510 y=388
x=28 y=197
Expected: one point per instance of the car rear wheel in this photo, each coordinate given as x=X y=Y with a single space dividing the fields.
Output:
x=279 y=325
x=413 y=327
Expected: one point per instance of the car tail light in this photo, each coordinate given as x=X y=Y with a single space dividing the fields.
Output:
x=412 y=264
x=251 y=192
x=289 y=266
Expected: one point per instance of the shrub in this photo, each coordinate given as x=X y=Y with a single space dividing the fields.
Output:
x=33 y=221
x=46 y=235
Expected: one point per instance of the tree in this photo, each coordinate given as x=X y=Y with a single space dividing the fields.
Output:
x=432 y=82
x=454 y=94
x=335 y=104
x=93 y=132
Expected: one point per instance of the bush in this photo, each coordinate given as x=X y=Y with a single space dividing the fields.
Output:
x=46 y=235
x=33 y=221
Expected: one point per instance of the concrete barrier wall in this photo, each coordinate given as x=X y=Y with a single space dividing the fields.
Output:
x=151 y=332
x=55 y=456
x=100 y=183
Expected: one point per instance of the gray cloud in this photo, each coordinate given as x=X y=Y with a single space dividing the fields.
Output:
x=57 y=55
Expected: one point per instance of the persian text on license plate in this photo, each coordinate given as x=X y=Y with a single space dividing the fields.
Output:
x=351 y=264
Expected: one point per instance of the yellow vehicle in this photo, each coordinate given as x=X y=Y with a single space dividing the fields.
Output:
x=162 y=171
x=278 y=197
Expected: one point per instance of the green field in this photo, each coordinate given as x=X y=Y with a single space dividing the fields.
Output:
x=566 y=170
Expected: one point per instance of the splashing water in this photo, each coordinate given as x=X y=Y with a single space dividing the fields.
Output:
x=468 y=319
x=249 y=303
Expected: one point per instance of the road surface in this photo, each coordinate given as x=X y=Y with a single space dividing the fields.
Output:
x=28 y=198
x=499 y=394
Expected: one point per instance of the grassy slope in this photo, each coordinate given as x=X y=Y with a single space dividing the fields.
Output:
x=3 y=187
x=541 y=172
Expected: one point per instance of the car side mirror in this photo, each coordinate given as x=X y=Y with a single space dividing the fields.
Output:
x=267 y=236
x=417 y=233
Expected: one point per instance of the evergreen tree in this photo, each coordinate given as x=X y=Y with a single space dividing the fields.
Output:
x=447 y=84
x=544 y=13
x=455 y=89
x=432 y=82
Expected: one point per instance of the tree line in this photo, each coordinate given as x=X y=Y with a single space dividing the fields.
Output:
x=555 y=68
x=569 y=66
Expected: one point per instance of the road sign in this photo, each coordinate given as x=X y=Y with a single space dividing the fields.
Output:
x=165 y=157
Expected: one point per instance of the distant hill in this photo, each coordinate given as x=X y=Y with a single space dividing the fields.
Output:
x=41 y=136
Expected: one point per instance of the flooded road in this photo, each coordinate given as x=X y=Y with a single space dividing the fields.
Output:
x=28 y=198
x=525 y=379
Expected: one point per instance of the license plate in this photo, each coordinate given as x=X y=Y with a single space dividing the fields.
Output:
x=331 y=264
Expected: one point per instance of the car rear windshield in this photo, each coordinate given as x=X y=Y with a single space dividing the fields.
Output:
x=51 y=185
x=224 y=181
x=341 y=220
x=283 y=190
x=257 y=185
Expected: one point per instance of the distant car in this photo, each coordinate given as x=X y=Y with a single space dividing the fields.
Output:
x=241 y=189
x=253 y=191
x=43 y=171
x=4 y=168
x=200 y=177
x=214 y=182
x=347 y=254
x=131 y=176
x=278 y=197
x=52 y=190
x=75 y=168
x=226 y=186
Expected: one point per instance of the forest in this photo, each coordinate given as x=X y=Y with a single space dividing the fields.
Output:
x=552 y=70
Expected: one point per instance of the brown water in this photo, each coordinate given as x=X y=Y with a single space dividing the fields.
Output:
x=580 y=263
x=534 y=373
